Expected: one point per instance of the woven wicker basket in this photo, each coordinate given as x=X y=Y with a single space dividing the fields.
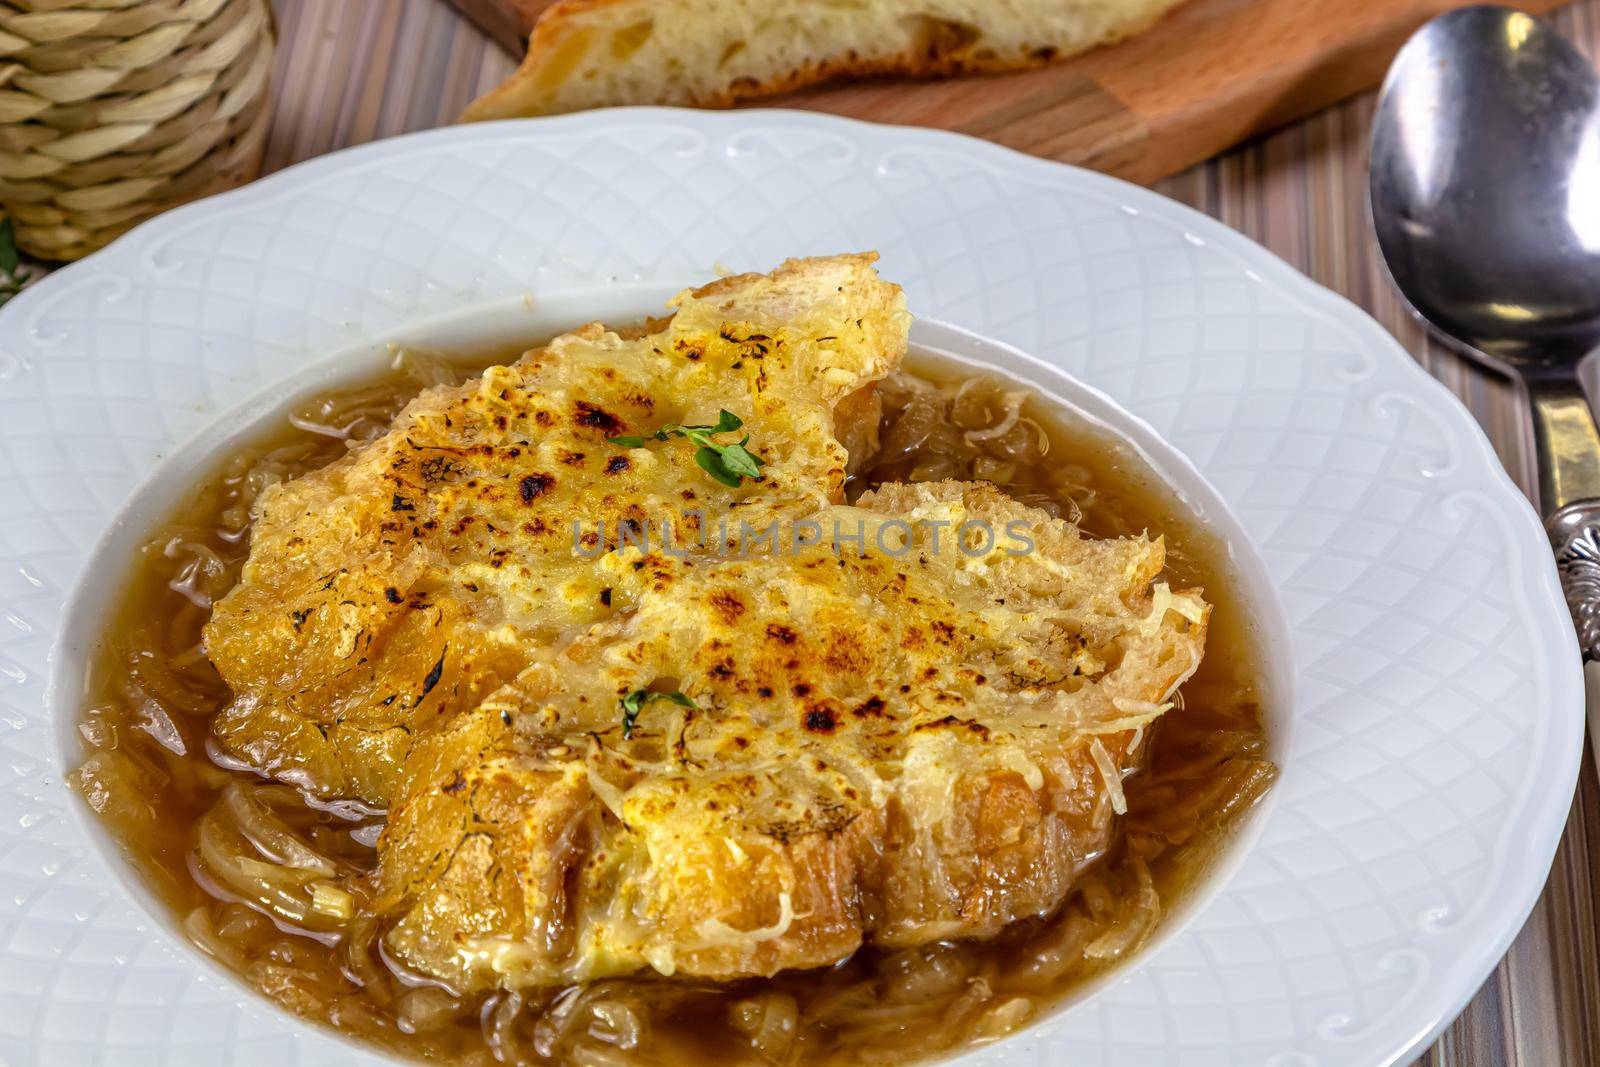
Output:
x=112 y=111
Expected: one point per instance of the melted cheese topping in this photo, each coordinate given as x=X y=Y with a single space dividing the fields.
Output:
x=896 y=737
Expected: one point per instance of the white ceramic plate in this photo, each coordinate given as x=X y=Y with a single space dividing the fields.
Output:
x=1438 y=715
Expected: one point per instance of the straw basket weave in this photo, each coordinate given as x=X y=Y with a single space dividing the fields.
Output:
x=112 y=111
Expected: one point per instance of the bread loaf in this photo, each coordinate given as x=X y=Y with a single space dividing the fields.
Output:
x=714 y=53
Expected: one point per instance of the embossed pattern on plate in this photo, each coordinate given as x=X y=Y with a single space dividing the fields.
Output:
x=1439 y=725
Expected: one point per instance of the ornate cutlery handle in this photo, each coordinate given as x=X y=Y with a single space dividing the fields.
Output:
x=1575 y=533
x=1567 y=443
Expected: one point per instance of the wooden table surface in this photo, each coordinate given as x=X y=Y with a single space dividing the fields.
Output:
x=351 y=71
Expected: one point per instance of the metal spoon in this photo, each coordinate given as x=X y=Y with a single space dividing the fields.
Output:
x=1485 y=186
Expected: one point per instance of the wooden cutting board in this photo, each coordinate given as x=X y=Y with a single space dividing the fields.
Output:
x=1210 y=75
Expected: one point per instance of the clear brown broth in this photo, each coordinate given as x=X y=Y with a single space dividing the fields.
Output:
x=148 y=772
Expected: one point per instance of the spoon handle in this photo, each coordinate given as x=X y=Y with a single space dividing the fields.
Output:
x=1575 y=534
x=1568 y=447
x=1565 y=439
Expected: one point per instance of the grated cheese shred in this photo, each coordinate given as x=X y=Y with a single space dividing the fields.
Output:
x=715 y=933
x=1163 y=599
x=1109 y=774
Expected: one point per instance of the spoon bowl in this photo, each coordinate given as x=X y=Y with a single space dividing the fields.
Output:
x=1485 y=186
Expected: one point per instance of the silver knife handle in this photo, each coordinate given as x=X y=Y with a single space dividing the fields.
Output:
x=1575 y=533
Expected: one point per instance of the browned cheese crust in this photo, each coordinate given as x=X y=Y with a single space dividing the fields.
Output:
x=919 y=741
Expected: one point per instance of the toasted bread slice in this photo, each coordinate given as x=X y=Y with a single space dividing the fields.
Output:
x=402 y=584
x=887 y=748
x=713 y=53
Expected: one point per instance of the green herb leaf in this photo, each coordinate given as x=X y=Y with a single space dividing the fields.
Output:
x=740 y=461
x=634 y=703
x=712 y=463
x=9 y=259
x=728 y=464
x=13 y=275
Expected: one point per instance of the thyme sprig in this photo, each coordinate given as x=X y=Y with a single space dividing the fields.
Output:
x=634 y=703
x=727 y=463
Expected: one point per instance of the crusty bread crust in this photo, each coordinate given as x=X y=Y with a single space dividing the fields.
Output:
x=599 y=53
